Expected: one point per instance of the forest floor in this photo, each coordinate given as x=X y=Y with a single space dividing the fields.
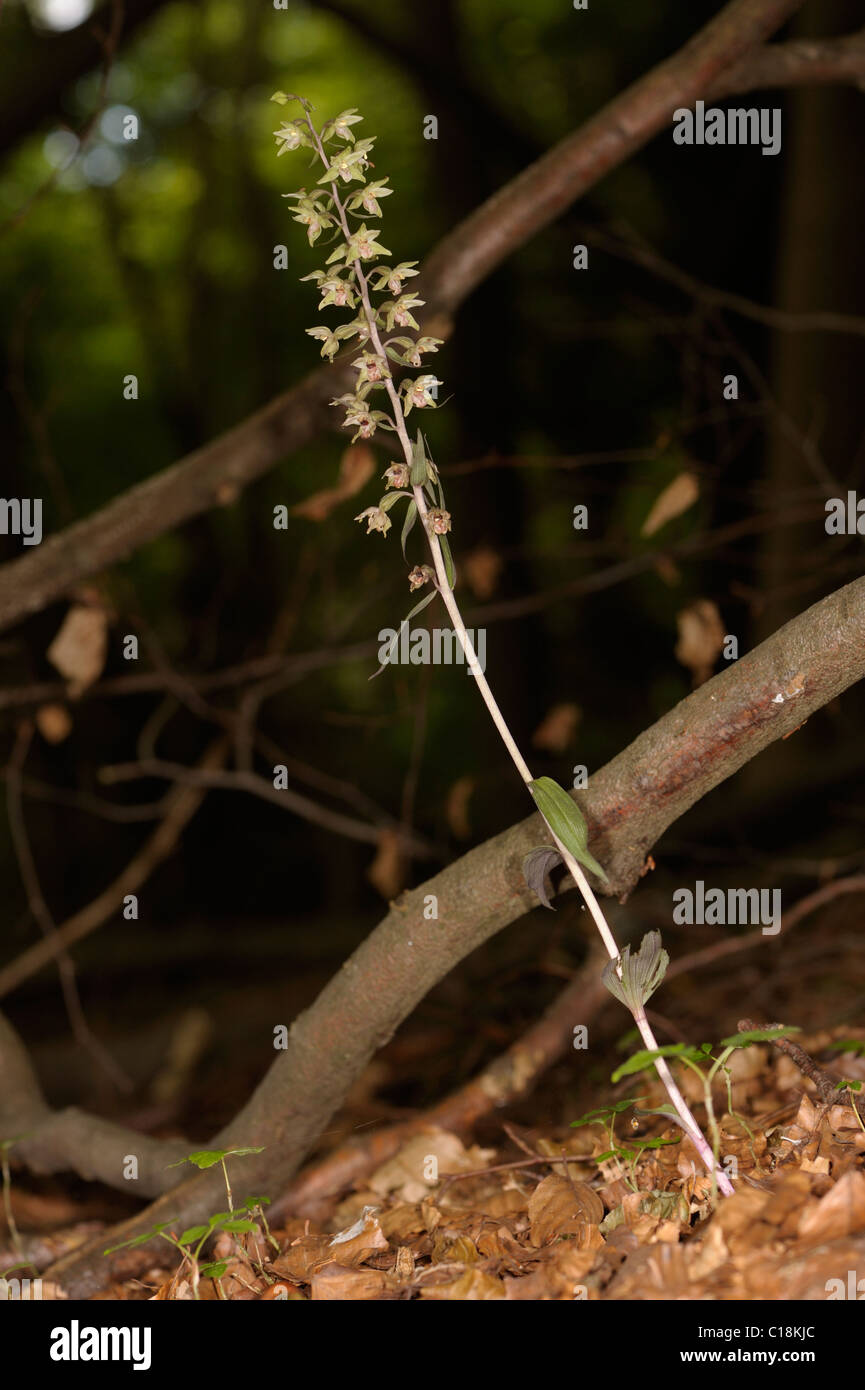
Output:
x=531 y=1205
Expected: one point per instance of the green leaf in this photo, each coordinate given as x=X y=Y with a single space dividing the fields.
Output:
x=757 y=1035
x=450 y=571
x=238 y=1227
x=419 y=472
x=640 y=974
x=593 y=1116
x=202 y=1158
x=391 y=497
x=394 y=642
x=410 y=519
x=140 y=1240
x=566 y=821
x=193 y=1234
x=536 y=866
x=849 y=1045
x=644 y=1059
x=215 y=1270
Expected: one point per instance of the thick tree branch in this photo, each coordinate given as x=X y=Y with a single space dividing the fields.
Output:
x=216 y=473
x=795 y=65
x=628 y=805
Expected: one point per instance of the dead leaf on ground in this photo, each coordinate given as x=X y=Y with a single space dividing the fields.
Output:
x=475 y=1286
x=423 y=1162
x=337 y=1282
x=676 y=498
x=558 y=1207
x=841 y=1212
x=354 y=1245
x=356 y=467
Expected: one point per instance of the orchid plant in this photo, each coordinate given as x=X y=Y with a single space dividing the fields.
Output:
x=339 y=208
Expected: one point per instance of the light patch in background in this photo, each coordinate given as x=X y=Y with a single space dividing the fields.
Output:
x=60 y=15
x=60 y=148
x=102 y=166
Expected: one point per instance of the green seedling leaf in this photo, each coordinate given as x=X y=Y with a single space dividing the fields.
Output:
x=203 y=1158
x=846 y=1085
x=214 y=1270
x=594 y=1115
x=758 y=1035
x=624 y=1152
x=140 y=1240
x=667 y=1206
x=641 y=974
x=218 y=1217
x=659 y=1142
x=193 y=1234
x=644 y=1059
x=845 y=1045
x=238 y=1227
x=536 y=866
x=252 y=1202
x=566 y=821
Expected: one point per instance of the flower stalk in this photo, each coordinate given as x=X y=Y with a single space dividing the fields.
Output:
x=343 y=285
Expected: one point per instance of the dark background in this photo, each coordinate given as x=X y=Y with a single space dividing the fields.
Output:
x=156 y=258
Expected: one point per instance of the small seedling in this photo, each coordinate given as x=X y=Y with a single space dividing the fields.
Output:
x=191 y=1242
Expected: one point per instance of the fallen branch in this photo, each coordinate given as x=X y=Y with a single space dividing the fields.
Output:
x=628 y=805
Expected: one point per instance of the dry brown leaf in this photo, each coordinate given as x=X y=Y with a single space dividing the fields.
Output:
x=386 y=873
x=302 y=1258
x=53 y=722
x=78 y=651
x=472 y=1287
x=841 y=1212
x=460 y=1251
x=402 y=1222
x=359 y=1241
x=676 y=498
x=558 y=1207
x=356 y=467
x=338 y=1283
x=481 y=569
x=457 y=807
x=433 y=1150
x=555 y=733
x=701 y=638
